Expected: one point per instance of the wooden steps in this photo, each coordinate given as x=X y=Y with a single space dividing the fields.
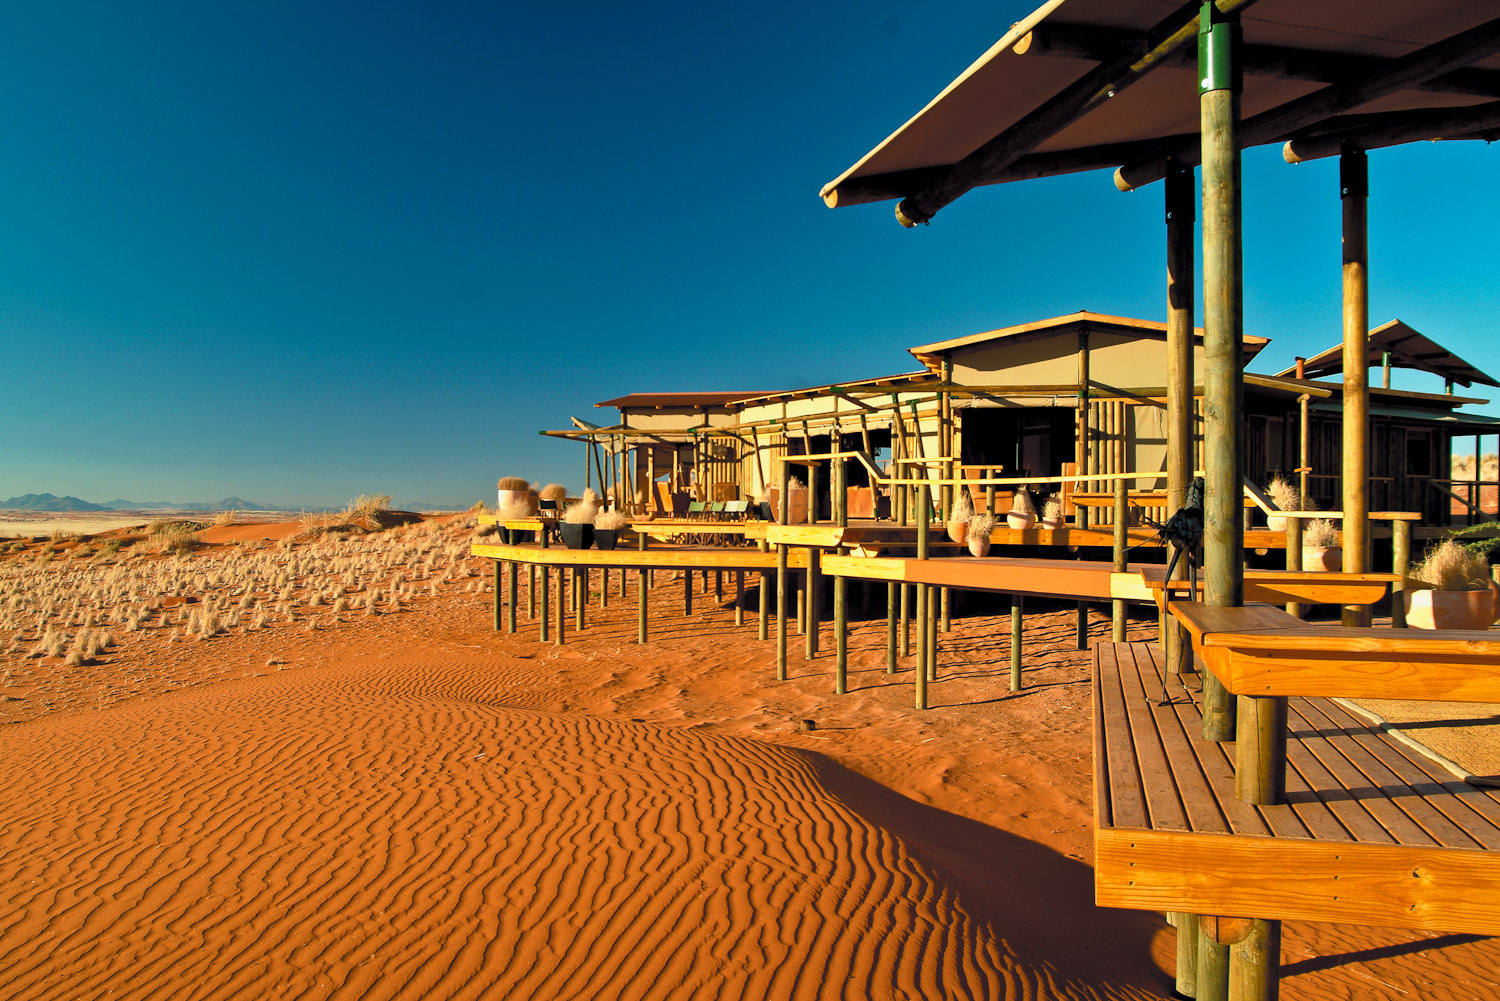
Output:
x=1372 y=831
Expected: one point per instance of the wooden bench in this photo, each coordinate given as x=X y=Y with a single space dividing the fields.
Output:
x=1371 y=832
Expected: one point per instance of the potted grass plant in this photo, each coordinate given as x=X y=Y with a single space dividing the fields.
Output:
x=1320 y=546
x=1285 y=497
x=578 y=525
x=1052 y=513
x=607 y=528
x=981 y=526
x=1022 y=514
x=515 y=510
x=958 y=518
x=1462 y=593
x=512 y=490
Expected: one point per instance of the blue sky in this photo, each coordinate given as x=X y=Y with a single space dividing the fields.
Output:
x=298 y=252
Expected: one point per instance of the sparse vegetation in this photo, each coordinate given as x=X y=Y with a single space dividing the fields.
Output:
x=612 y=520
x=1283 y=494
x=224 y=518
x=981 y=527
x=554 y=492
x=1320 y=533
x=513 y=483
x=963 y=510
x=1450 y=567
x=1022 y=502
x=582 y=513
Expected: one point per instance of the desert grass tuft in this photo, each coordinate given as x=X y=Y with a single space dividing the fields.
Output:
x=981 y=527
x=1320 y=533
x=1451 y=567
x=963 y=510
x=1022 y=502
x=582 y=513
x=513 y=483
x=1283 y=494
x=224 y=518
x=554 y=492
x=612 y=520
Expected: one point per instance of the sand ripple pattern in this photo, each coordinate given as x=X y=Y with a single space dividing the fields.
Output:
x=410 y=834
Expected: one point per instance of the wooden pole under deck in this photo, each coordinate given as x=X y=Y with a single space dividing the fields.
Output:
x=511 y=580
x=923 y=513
x=892 y=603
x=1117 y=619
x=644 y=587
x=949 y=491
x=1223 y=319
x=546 y=609
x=1181 y=209
x=531 y=590
x=781 y=582
x=1354 y=186
x=499 y=595
x=1082 y=448
x=1294 y=557
x=1250 y=977
x=580 y=596
x=562 y=606
x=1017 y=611
x=837 y=473
x=1400 y=565
x=762 y=598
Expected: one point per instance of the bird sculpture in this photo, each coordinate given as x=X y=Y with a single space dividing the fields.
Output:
x=1184 y=533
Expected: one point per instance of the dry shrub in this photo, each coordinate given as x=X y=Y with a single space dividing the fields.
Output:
x=1451 y=567
x=582 y=513
x=476 y=507
x=1053 y=509
x=1022 y=502
x=1320 y=533
x=981 y=526
x=516 y=510
x=513 y=483
x=554 y=492
x=1283 y=494
x=612 y=520
x=963 y=509
x=366 y=507
x=224 y=518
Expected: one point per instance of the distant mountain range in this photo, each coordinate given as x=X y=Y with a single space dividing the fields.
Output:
x=51 y=502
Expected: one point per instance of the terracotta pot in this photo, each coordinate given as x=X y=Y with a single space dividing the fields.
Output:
x=958 y=531
x=979 y=547
x=1431 y=609
x=1020 y=522
x=1322 y=558
x=1053 y=525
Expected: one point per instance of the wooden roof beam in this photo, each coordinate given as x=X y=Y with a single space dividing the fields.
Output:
x=1282 y=121
x=1083 y=95
x=1399 y=127
x=1085 y=41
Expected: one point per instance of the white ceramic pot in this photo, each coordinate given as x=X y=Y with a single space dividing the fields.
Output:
x=1053 y=525
x=1322 y=558
x=1276 y=523
x=513 y=497
x=1020 y=522
x=979 y=547
x=1431 y=609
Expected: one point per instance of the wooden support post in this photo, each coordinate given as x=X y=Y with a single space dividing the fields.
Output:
x=1223 y=323
x=810 y=598
x=1122 y=512
x=511 y=580
x=739 y=597
x=499 y=595
x=1400 y=566
x=812 y=493
x=1354 y=185
x=1081 y=632
x=1255 y=962
x=562 y=606
x=580 y=596
x=530 y=590
x=643 y=585
x=944 y=601
x=802 y=603
x=1082 y=424
x=546 y=609
x=903 y=635
x=1294 y=556
x=1213 y=968
x=932 y=633
x=781 y=582
x=1180 y=211
x=892 y=611
x=1260 y=750
x=1017 y=611
x=687 y=592
x=1187 y=955
x=841 y=635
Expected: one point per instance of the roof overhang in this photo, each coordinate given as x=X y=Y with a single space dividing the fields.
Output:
x=1088 y=84
x=1407 y=348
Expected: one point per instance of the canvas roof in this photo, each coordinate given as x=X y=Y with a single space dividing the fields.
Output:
x=657 y=401
x=1294 y=48
x=930 y=354
x=1408 y=348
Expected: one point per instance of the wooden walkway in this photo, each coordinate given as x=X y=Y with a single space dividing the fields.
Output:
x=1077 y=579
x=1372 y=831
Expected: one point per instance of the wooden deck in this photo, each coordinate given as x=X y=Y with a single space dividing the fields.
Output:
x=1077 y=579
x=1373 y=832
x=655 y=558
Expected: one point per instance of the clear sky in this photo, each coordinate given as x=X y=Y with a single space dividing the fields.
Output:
x=302 y=251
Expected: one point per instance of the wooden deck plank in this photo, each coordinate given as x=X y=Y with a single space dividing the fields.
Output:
x=662 y=557
x=1163 y=801
x=1125 y=794
x=1407 y=788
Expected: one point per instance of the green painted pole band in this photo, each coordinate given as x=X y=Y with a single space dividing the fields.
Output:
x=1218 y=35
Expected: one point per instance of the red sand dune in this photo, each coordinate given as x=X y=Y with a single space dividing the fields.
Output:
x=416 y=807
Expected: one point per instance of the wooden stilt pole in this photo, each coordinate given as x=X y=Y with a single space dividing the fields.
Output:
x=604 y=587
x=1354 y=184
x=1400 y=565
x=1254 y=962
x=531 y=590
x=810 y=596
x=1223 y=320
x=1082 y=423
x=781 y=582
x=739 y=597
x=903 y=634
x=643 y=586
x=562 y=606
x=1187 y=955
x=687 y=592
x=542 y=624
x=1294 y=556
x=580 y=596
x=1122 y=515
x=1180 y=211
x=838 y=482
x=892 y=603
x=1213 y=968
x=1081 y=631
x=763 y=629
x=945 y=601
x=511 y=580
x=923 y=514
x=1017 y=611
x=499 y=596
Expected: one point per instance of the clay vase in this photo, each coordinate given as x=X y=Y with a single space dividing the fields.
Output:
x=1321 y=558
x=1053 y=525
x=1432 y=609
x=958 y=531
x=979 y=547
x=1020 y=522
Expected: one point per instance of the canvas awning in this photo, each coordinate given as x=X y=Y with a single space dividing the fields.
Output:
x=1408 y=349
x=1085 y=84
